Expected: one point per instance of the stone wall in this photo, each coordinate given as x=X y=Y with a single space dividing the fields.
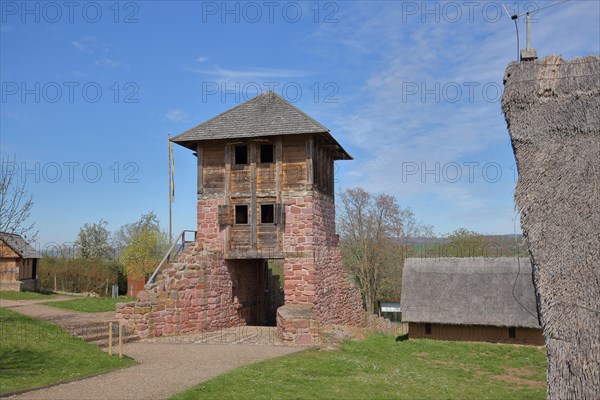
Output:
x=194 y=294
x=202 y=291
x=314 y=274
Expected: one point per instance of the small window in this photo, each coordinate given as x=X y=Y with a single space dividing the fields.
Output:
x=266 y=153
x=428 y=329
x=267 y=214
x=241 y=215
x=241 y=154
x=512 y=332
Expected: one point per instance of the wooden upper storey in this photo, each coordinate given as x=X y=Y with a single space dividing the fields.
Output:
x=254 y=156
x=265 y=166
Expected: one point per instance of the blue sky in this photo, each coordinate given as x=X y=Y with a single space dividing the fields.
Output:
x=411 y=89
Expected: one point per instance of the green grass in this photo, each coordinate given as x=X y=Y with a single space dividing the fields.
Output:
x=89 y=304
x=380 y=368
x=25 y=296
x=34 y=353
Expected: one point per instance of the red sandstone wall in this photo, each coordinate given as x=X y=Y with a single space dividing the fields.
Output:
x=314 y=275
x=210 y=234
x=202 y=291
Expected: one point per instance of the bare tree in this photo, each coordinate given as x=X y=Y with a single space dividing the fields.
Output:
x=15 y=203
x=372 y=228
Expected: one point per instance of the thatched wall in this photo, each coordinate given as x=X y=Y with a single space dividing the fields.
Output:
x=552 y=109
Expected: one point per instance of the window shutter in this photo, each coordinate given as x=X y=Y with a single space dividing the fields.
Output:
x=280 y=215
x=225 y=215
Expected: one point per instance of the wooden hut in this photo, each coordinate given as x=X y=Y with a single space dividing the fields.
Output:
x=18 y=263
x=472 y=299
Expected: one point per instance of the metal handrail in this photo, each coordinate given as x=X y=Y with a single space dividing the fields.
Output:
x=167 y=256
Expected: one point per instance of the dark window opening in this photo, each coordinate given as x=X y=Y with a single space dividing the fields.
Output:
x=241 y=154
x=428 y=329
x=241 y=215
x=267 y=214
x=512 y=332
x=266 y=153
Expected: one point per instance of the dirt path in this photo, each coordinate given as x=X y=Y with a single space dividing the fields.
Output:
x=164 y=370
x=167 y=365
x=33 y=308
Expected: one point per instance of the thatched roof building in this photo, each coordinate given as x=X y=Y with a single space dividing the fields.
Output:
x=552 y=109
x=469 y=291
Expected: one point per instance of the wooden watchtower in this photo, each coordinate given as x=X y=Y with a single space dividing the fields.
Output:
x=251 y=160
x=265 y=191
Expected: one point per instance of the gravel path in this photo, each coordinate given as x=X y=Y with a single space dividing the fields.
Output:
x=164 y=370
x=167 y=365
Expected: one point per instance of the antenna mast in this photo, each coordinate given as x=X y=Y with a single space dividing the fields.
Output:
x=528 y=54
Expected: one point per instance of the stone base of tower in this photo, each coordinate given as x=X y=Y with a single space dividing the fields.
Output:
x=202 y=291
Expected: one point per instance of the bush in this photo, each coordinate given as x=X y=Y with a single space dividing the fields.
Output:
x=79 y=275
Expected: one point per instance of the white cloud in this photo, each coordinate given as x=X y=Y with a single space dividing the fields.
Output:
x=249 y=74
x=201 y=59
x=107 y=62
x=87 y=44
x=428 y=128
x=176 y=115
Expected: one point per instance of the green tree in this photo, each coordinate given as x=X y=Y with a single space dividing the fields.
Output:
x=142 y=245
x=465 y=243
x=93 y=242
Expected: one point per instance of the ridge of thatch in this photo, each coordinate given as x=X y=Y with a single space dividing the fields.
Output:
x=469 y=291
x=552 y=108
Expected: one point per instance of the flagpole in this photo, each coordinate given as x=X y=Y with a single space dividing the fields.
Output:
x=170 y=190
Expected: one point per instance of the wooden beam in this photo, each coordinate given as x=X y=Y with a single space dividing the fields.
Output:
x=200 y=160
x=252 y=151
x=226 y=177
x=309 y=162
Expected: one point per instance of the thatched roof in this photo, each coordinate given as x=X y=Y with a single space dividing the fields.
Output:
x=267 y=114
x=552 y=109
x=469 y=291
x=19 y=245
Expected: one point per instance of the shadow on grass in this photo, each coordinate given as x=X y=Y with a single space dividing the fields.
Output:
x=402 y=338
x=19 y=362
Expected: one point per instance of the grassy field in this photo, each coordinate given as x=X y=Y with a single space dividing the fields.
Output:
x=35 y=353
x=380 y=367
x=25 y=296
x=89 y=304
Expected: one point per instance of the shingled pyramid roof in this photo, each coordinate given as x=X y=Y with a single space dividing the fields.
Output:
x=267 y=114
